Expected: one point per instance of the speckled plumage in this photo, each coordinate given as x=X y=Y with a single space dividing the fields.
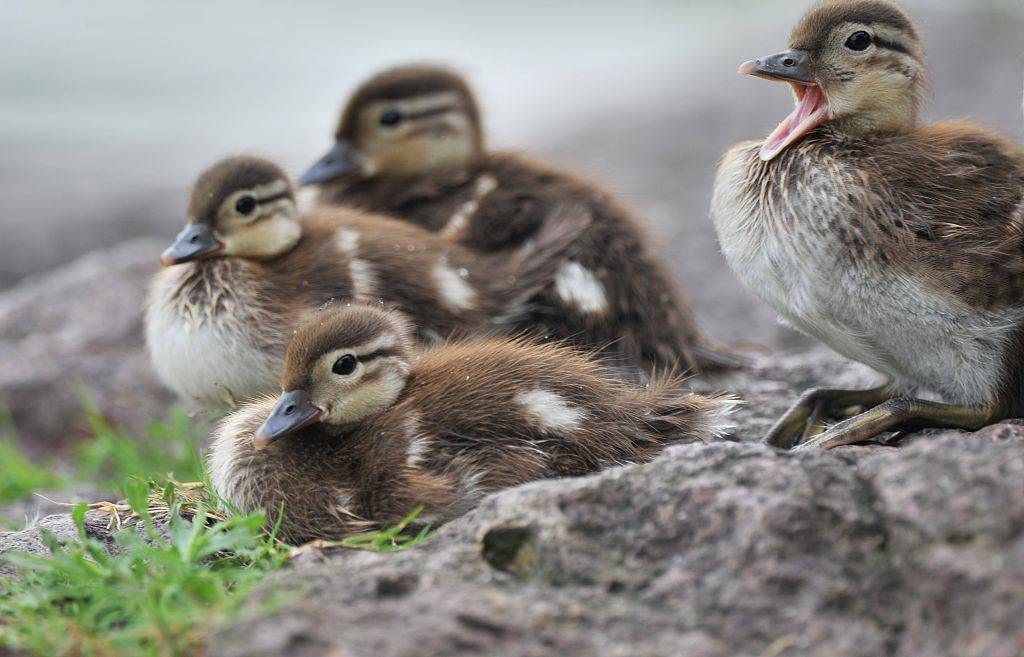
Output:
x=898 y=245
x=493 y=202
x=216 y=327
x=471 y=418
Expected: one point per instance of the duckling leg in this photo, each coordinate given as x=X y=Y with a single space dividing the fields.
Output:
x=901 y=412
x=795 y=422
x=815 y=422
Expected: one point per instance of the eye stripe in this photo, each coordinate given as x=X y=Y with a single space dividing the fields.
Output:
x=380 y=353
x=431 y=112
x=890 y=45
x=275 y=197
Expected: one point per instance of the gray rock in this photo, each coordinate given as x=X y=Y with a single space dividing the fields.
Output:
x=30 y=539
x=713 y=550
x=719 y=550
x=79 y=326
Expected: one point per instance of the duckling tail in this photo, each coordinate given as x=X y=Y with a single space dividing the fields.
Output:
x=688 y=417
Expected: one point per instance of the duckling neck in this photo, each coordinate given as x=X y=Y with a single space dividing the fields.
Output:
x=208 y=289
x=396 y=193
x=885 y=121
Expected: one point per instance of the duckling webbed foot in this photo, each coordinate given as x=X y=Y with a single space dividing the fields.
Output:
x=805 y=418
x=901 y=412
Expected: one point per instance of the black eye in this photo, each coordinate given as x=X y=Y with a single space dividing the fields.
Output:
x=245 y=205
x=859 y=41
x=391 y=118
x=345 y=365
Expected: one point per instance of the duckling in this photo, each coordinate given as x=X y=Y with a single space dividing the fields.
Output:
x=897 y=244
x=368 y=429
x=409 y=144
x=247 y=270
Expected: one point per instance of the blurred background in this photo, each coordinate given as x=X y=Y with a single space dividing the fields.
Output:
x=109 y=110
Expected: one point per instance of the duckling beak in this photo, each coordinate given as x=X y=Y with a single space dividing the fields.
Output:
x=812 y=108
x=342 y=160
x=292 y=411
x=789 y=66
x=193 y=243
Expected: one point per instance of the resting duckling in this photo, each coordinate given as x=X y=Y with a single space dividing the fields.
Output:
x=367 y=430
x=899 y=245
x=410 y=145
x=247 y=270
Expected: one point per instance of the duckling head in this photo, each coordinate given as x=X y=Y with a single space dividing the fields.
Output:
x=855 y=64
x=240 y=207
x=403 y=122
x=345 y=365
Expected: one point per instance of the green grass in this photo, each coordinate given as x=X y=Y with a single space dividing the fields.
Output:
x=20 y=477
x=108 y=459
x=166 y=450
x=158 y=596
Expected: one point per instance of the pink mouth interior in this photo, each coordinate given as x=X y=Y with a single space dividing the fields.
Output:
x=811 y=111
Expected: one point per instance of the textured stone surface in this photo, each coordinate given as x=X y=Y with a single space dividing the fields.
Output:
x=79 y=326
x=30 y=539
x=717 y=550
x=713 y=550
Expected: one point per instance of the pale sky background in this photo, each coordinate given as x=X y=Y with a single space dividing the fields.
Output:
x=109 y=109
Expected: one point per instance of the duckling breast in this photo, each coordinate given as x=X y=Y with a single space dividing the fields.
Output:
x=214 y=346
x=805 y=233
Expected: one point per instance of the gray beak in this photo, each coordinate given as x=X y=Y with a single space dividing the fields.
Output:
x=342 y=160
x=193 y=243
x=789 y=66
x=292 y=412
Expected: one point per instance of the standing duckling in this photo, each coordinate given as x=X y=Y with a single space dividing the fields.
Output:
x=897 y=244
x=247 y=270
x=367 y=430
x=410 y=145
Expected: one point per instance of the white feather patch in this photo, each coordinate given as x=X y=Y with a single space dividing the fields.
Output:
x=347 y=241
x=485 y=184
x=364 y=280
x=579 y=287
x=550 y=411
x=456 y=292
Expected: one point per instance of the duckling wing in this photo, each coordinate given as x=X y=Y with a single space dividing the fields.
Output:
x=954 y=199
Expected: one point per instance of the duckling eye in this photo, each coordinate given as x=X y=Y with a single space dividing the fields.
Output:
x=391 y=118
x=345 y=365
x=859 y=41
x=245 y=205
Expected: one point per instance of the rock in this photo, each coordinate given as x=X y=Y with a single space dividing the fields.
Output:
x=80 y=325
x=726 y=549
x=712 y=550
x=30 y=539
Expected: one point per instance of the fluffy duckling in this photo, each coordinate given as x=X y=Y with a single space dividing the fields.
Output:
x=247 y=270
x=410 y=145
x=897 y=244
x=367 y=429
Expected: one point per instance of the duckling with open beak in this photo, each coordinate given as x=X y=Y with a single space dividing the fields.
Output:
x=897 y=244
x=410 y=144
x=368 y=428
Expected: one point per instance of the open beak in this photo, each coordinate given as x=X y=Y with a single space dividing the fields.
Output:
x=794 y=67
x=195 y=242
x=292 y=412
x=342 y=160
